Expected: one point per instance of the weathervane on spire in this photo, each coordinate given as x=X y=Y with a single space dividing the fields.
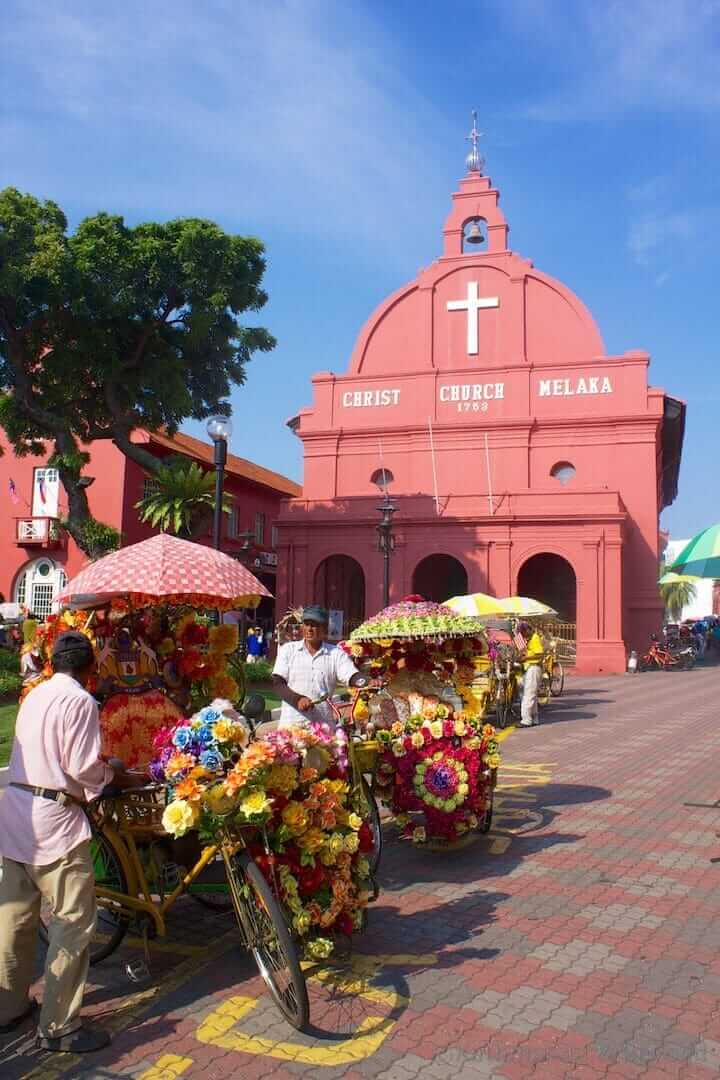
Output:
x=474 y=160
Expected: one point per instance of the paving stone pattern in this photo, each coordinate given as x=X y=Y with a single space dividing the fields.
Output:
x=580 y=939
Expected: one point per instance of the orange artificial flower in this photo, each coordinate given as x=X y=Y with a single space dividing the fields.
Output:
x=188 y=789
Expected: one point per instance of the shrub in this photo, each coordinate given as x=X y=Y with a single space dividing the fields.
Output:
x=10 y=684
x=259 y=672
x=9 y=662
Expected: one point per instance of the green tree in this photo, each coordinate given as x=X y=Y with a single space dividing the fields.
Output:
x=676 y=594
x=184 y=499
x=111 y=328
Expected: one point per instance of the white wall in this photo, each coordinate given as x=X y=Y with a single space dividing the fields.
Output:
x=703 y=603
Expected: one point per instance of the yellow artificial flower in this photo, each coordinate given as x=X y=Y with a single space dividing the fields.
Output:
x=179 y=816
x=492 y=760
x=313 y=839
x=255 y=803
x=217 y=799
x=282 y=778
x=223 y=638
x=460 y=727
x=436 y=729
x=397 y=728
x=354 y=821
x=473 y=743
x=351 y=843
x=295 y=816
x=363 y=867
x=417 y=740
x=398 y=748
x=463 y=789
x=301 y=922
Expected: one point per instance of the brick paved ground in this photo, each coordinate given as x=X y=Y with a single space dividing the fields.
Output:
x=580 y=939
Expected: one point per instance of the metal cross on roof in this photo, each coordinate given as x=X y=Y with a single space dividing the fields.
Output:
x=474 y=161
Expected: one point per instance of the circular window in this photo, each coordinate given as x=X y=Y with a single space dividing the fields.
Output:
x=43 y=569
x=381 y=478
x=563 y=471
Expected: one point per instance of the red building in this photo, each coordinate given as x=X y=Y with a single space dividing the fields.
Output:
x=37 y=557
x=520 y=456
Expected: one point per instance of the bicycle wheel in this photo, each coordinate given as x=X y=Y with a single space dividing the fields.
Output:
x=372 y=813
x=111 y=926
x=557 y=680
x=267 y=936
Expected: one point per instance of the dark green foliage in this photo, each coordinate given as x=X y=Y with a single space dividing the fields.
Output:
x=112 y=328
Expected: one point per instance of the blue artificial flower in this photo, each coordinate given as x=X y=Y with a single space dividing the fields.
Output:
x=182 y=737
x=204 y=736
x=212 y=760
x=209 y=715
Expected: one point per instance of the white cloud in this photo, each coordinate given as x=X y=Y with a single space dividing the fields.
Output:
x=659 y=231
x=290 y=111
x=624 y=54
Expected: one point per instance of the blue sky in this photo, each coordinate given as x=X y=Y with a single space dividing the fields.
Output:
x=335 y=132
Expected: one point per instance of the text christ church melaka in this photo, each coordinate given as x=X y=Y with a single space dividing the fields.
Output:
x=521 y=458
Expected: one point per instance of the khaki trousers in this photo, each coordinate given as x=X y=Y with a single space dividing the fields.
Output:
x=531 y=689
x=68 y=888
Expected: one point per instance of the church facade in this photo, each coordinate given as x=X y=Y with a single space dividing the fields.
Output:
x=521 y=459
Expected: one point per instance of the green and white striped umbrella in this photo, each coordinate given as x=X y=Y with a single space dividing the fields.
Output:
x=701 y=556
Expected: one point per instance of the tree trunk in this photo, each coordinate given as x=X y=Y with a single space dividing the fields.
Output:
x=78 y=506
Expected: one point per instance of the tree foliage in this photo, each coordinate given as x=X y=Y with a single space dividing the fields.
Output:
x=111 y=328
x=676 y=595
x=184 y=500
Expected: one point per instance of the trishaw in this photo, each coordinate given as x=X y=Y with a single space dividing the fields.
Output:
x=275 y=828
x=436 y=759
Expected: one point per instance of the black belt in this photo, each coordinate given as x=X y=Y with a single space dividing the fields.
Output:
x=60 y=797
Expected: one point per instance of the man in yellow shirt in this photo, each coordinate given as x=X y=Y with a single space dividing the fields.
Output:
x=532 y=662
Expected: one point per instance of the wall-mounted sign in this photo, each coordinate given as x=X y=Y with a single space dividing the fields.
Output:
x=359 y=399
x=597 y=384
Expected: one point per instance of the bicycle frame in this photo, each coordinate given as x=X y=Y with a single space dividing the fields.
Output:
x=122 y=840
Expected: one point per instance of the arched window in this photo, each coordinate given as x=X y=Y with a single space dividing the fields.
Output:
x=37 y=586
x=340 y=586
x=550 y=579
x=440 y=577
x=475 y=236
x=563 y=471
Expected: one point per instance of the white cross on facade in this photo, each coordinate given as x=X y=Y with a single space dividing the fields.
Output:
x=473 y=305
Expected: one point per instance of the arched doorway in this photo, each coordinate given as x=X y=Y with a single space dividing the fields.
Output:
x=37 y=585
x=340 y=586
x=438 y=577
x=550 y=579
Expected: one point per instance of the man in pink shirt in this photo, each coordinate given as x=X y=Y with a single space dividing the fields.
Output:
x=45 y=846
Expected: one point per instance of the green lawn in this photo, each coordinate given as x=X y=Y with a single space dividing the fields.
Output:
x=7 y=726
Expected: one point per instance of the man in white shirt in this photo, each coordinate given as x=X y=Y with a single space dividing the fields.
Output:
x=55 y=767
x=310 y=669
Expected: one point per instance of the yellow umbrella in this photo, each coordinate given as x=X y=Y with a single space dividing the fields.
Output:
x=524 y=607
x=475 y=604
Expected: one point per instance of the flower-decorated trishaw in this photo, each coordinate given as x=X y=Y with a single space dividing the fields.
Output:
x=272 y=827
x=437 y=758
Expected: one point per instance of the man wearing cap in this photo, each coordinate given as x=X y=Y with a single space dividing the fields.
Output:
x=309 y=669
x=55 y=767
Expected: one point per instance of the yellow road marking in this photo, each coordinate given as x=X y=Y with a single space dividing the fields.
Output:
x=215 y=1030
x=167 y=1067
x=500 y=736
x=167 y=947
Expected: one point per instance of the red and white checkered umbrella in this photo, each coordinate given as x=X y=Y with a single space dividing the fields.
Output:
x=168 y=570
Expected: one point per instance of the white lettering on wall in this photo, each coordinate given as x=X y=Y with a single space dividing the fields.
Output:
x=471 y=397
x=359 y=399
x=595 y=384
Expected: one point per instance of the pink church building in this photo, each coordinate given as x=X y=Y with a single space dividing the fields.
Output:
x=521 y=458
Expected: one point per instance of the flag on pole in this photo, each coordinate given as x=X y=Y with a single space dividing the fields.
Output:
x=41 y=489
x=14 y=497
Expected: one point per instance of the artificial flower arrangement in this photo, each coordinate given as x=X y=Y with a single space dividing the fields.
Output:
x=293 y=793
x=439 y=762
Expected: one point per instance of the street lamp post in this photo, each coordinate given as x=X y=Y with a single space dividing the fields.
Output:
x=386 y=541
x=219 y=428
